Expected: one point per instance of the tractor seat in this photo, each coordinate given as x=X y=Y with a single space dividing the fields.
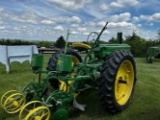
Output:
x=81 y=46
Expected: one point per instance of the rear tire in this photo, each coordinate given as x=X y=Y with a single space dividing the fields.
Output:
x=52 y=63
x=117 y=81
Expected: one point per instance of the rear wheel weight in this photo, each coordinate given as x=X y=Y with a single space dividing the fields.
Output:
x=117 y=82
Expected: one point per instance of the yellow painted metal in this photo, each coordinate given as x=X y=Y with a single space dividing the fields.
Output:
x=123 y=89
x=25 y=110
x=6 y=95
x=38 y=113
x=82 y=45
x=63 y=85
x=14 y=103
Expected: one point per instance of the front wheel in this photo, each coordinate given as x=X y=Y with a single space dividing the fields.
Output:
x=117 y=82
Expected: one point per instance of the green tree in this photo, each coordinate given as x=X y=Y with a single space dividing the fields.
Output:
x=112 y=40
x=60 y=43
x=138 y=44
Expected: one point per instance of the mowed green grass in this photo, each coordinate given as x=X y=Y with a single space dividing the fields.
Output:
x=144 y=106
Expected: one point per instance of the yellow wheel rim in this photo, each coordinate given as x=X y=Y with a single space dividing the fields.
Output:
x=14 y=102
x=6 y=95
x=63 y=85
x=27 y=108
x=124 y=82
x=39 y=113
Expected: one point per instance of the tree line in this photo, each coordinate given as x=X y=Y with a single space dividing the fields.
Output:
x=138 y=45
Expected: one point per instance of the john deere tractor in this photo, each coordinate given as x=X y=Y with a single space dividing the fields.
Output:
x=152 y=53
x=108 y=67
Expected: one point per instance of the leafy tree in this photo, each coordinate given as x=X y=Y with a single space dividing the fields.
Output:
x=138 y=44
x=60 y=43
x=113 y=40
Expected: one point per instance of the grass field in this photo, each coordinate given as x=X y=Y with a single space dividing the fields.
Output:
x=144 y=106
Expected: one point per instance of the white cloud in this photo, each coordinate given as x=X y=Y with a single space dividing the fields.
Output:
x=121 y=17
x=48 y=22
x=120 y=25
x=75 y=25
x=86 y=33
x=149 y=24
x=101 y=23
x=59 y=28
x=90 y=23
x=135 y=19
x=28 y=17
x=139 y=25
x=74 y=32
x=82 y=29
x=70 y=4
x=154 y=17
x=147 y=34
x=104 y=7
x=1 y=9
x=73 y=19
x=104 y=32
x=1 y=22
x=2 y=27
x=124 y=3
x=56 y=15
x=118 y=4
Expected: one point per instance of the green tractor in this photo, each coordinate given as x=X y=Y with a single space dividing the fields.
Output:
x=152 y=53
x=108 y=67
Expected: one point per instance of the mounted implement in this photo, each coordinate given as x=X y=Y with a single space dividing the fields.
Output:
x=108 y=67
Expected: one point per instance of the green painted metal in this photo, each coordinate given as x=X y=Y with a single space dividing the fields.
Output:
x=61 y=114
x=64 y=63
x=76 y=78
x=105 y=49
x=119 y=37
x=85 y=72
x=154 y=51
x=37 y=62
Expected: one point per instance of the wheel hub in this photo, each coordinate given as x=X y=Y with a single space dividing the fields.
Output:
x=15 y=103
x=124 y=82
x=37 y=118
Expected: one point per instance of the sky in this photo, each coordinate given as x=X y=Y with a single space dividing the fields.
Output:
x=49 y=19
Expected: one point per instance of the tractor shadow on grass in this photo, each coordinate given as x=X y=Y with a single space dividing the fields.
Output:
x=93 y=108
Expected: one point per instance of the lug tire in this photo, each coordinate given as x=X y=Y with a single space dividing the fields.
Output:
x=53 y=60
x=118 y=65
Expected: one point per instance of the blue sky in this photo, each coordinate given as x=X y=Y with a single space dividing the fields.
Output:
x=49 y=19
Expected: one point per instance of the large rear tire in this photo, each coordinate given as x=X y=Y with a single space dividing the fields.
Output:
x=117 y=81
